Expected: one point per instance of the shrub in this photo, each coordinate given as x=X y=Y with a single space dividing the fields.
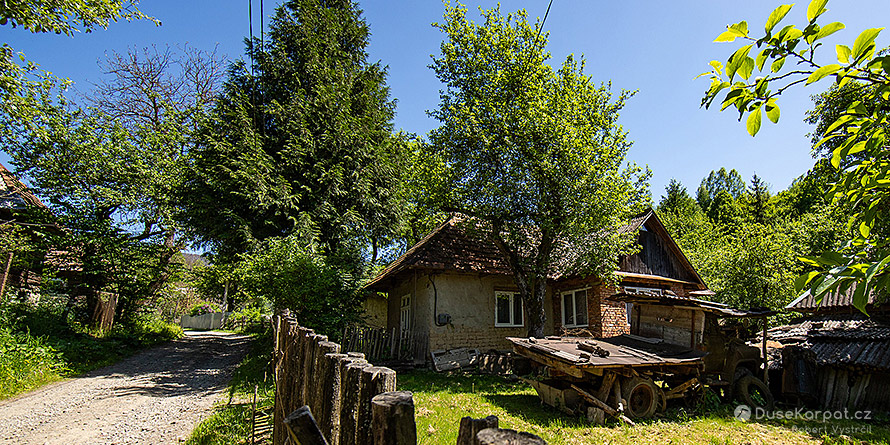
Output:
x=204 y=307
x=25 y=362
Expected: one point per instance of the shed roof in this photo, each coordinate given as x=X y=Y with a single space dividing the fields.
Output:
x=841 y=339
x=806 y=302
x=693 y=303
x=457 y=246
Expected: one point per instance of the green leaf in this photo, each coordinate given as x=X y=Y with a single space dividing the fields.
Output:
x=761 y=59
x=831 y=259
x=746 y=68
x=816 y=8
x=876 y=269
x=776 y=16
x=736 y=60
x=843 y=53
x=772 y=111
x=829 y=29
x=718 y=67
x=865 y=42
x=801 y=281
x=753 y=123
x=822 y=72
x=777 y=65
x=860 y=297
x=864 y=229
x=825 y=285
x=733 y=32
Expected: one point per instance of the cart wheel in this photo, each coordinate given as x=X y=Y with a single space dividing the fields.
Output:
x=695 y=396
x=642 y=397
x=753 y=392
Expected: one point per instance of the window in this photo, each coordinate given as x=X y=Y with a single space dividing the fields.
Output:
x=574 y=308
x=507 y=309
x=405 y=313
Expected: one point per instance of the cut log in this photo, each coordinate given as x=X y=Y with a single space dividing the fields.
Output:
x=374 y=380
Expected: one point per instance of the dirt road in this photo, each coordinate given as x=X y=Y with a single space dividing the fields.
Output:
x=154 y=397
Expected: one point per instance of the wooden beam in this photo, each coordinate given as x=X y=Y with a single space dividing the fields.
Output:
x=602 y=405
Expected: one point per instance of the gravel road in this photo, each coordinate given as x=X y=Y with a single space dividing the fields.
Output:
x=154 y=397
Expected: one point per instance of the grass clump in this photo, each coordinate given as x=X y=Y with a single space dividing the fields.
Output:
x=230 y=422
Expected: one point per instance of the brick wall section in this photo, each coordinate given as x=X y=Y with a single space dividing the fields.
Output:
x=483 y=339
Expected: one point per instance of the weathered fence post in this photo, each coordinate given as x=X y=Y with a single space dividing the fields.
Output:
x=469 y=427
x=308 y=379
x=302 y=428
x=300 y=345
x=349 y=401
x=497 y=436
x=393 y=418
x=329 y=416
x=316 y=398
x=374 y=380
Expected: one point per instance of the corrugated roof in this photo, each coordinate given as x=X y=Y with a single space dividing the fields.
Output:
x=806 y=302
x=841 y=340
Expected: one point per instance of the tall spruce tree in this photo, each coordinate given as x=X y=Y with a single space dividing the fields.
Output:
x=301 y=141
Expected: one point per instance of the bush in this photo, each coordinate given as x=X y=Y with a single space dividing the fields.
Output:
x=204 y=307
x=25 y=362
x=251 y=319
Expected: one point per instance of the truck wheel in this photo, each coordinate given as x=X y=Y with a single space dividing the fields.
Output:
x=753 y=392
x=642 y=397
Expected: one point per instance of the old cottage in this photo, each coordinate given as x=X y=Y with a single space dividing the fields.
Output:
x=454 y=289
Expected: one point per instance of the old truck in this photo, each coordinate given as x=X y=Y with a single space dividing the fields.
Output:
x=677 y=346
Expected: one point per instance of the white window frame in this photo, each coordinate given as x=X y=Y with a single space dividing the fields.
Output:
x=405 y=313
x=640 y=290
x=513 y=296
x=562 y=303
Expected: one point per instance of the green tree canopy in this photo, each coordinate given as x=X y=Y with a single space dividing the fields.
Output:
x=301 y=139
x=533 y=152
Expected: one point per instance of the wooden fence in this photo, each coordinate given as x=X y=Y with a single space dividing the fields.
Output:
x=323 y=396
x=386 y=346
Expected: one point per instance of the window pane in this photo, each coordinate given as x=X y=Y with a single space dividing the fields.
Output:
x=517 y=309
x=581 y=307
x=502 y=309
x=567 y=308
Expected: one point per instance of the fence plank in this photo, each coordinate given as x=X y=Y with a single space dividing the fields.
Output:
x=349 y=401
x=375 y=380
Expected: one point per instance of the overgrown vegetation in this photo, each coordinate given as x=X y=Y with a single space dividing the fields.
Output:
x=231 y=420
x=441 y=400
x=38 y=345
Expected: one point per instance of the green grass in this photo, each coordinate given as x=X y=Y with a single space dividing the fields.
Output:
x=38 y=347
x=230 y=421
x=441 y=400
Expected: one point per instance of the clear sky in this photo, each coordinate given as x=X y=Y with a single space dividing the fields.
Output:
x=655 y=47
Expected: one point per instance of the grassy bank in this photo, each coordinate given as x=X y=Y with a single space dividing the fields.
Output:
x=441 y=400
x=37 y=346
x=230 y=422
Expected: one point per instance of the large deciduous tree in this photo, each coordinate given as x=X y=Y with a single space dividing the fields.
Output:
x=301 y=141
x=533 y=153
x=857 y=137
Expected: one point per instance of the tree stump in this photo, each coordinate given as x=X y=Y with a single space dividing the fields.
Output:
x=393 y=419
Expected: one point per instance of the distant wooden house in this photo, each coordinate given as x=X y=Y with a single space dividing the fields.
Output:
x=835 y=357
x=454 y=289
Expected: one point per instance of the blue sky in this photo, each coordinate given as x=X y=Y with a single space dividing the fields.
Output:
x=656 y=48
